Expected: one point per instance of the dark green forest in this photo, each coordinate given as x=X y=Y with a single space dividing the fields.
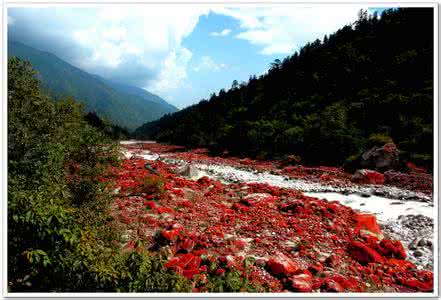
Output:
x=368 y=83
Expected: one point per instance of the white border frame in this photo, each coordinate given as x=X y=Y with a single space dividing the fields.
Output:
x=81 y=3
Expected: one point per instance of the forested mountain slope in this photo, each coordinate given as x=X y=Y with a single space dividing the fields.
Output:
x=369 y=82
x=113 y=101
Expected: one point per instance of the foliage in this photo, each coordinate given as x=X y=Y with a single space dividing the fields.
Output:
x=144 y=273
x=328 y=101
x=379 y=139
x=113 y=131
x=152 y=185
x=61 y=236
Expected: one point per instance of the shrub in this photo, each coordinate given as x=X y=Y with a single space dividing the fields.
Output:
x=379 y=139
x=60 y=234
x=152 y=185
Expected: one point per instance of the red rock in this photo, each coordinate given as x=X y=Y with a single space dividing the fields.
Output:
x=364 y=254
x=392 y=249
x=367 y=222
x=239 y=207
x=150 y=204
x=131 y=245
x=239 y=244
x=413 y=168
x=173 y=232
x=317 y=282
x=162 y=210
x=402 y=264
x=220 y=271
x=295 y=206
x=256 y=199
x=177 y=226
x=200 y=252
x=368 y=177
x=333 y=260
x=280 y=264
x=415 y=283
x=170 y=235
x=204 y=180
x=172 y=262
x=186 y=203
x=332 y=286
x=315 y=268
x=415 y=181
x=190 y=273
x=302 y=283
x=350 y=283
x=187 y=245
x=186 y=265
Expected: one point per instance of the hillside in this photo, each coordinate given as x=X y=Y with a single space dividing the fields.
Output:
x=368 y=83
x=123 y=105
x=136 y=91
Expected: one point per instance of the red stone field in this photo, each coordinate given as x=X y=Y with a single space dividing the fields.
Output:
x=277 y=239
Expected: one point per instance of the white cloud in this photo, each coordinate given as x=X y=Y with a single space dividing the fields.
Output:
x=207 y=63
x=141 y=44
x=173 y=71
x=282 y=29
x=224 y=32
x=125 y=42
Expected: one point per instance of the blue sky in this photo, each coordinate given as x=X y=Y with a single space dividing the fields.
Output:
x=183 y=53
x=219 y=59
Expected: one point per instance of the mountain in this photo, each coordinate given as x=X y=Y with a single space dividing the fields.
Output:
x=123 y=105
x=368 y=83
x=136 y=91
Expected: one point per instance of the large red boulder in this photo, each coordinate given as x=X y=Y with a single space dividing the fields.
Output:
x=401 y=263
x=280 y=264
x=392 y=249
x=172 y=232
x=316 y=267
x=302 y=282
x=332 y=286
x=364 y=254
x=368 y=177
x=186 y=265
x=367 y=223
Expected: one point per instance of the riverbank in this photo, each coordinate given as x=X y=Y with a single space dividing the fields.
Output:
x=246 y=209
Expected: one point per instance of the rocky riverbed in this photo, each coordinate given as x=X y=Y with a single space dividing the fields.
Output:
x=402 y=214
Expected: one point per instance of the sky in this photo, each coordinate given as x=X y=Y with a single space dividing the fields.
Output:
x=181 y=52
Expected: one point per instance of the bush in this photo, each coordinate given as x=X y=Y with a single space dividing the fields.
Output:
x=152 y=185
x=143 y=273
x=379 y=139
x=60 y=234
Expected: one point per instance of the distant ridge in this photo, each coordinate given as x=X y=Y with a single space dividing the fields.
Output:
x=122 y=104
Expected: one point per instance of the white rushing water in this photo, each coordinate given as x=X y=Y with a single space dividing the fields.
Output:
x=146 y=154
x=383 y=208
x=232 y=174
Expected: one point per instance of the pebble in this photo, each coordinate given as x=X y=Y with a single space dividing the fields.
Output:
x=418 y=253
x=397 y=203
